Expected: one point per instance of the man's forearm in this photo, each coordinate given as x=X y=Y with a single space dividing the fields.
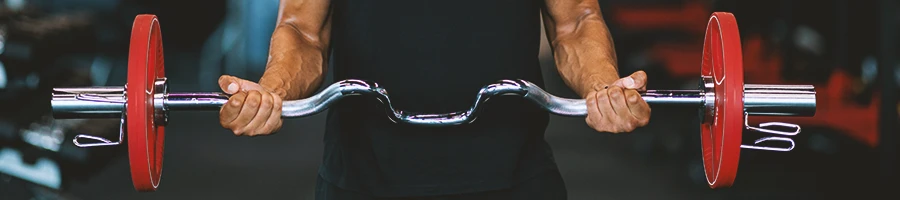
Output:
x=299 y=49
x=583 y=49
x=296 y=69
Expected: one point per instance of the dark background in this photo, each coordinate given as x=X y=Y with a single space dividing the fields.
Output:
x=849 y=152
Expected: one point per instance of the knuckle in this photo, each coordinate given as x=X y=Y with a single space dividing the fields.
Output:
x=602 y=95
x=235 y=103
x=267 y=103
x=615 y=92
x=236 y=100
x=591 y=99
x=252 y=101
x=634 y=97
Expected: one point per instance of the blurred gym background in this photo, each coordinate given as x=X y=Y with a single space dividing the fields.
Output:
x=847 y=49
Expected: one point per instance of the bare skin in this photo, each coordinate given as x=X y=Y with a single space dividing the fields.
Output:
x=583 y=50
x=586 y=59
x=296 y=68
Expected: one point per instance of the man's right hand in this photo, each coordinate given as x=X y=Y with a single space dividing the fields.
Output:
x=251 y=110
x=295 y=68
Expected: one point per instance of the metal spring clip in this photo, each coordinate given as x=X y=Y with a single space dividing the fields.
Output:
x=761 y=129
x=100 y=141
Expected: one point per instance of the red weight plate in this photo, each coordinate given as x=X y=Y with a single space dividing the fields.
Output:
x=721 y=135
x=145 y=138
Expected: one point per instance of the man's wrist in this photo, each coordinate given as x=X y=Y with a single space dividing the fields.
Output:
x=275 y=85
x=597 y=81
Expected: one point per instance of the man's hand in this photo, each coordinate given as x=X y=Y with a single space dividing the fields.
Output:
x=619 y=108
x=251 y=110
x=296 y=68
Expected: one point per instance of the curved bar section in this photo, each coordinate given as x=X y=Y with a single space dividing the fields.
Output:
x=554 y=104
x=324 y=99
x=505 y=87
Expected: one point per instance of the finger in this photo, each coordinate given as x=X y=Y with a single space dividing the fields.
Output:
x=594 y=115
x=262 y=115
x=231 y=84
x=623 y=119
x=248 y=112
x=606 y=110
x=635 y=81
x=228 y=84
x=274 y=123
x=232 y=109
x=640 y=80
x=638 y=107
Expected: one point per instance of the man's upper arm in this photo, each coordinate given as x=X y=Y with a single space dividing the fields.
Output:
x=567 y=18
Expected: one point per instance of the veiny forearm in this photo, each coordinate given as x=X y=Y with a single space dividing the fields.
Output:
x=296 y=65
x=298 y=52
x=582 y=46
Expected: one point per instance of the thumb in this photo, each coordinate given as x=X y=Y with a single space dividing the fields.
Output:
x=231 y=84
x=636 y=81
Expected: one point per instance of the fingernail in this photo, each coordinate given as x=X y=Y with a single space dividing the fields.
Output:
x=629 y=82
x=232 y=88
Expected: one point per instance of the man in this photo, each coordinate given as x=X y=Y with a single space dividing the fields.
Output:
x=433 y=56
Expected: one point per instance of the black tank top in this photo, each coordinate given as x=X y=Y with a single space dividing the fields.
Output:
x=433 y=56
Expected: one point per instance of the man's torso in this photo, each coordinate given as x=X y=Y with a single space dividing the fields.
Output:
x=433 y=57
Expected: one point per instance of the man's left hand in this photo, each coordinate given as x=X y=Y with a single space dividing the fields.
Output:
x=619 y=108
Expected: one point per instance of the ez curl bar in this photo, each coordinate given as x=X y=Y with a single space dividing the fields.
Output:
x=722 y=98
